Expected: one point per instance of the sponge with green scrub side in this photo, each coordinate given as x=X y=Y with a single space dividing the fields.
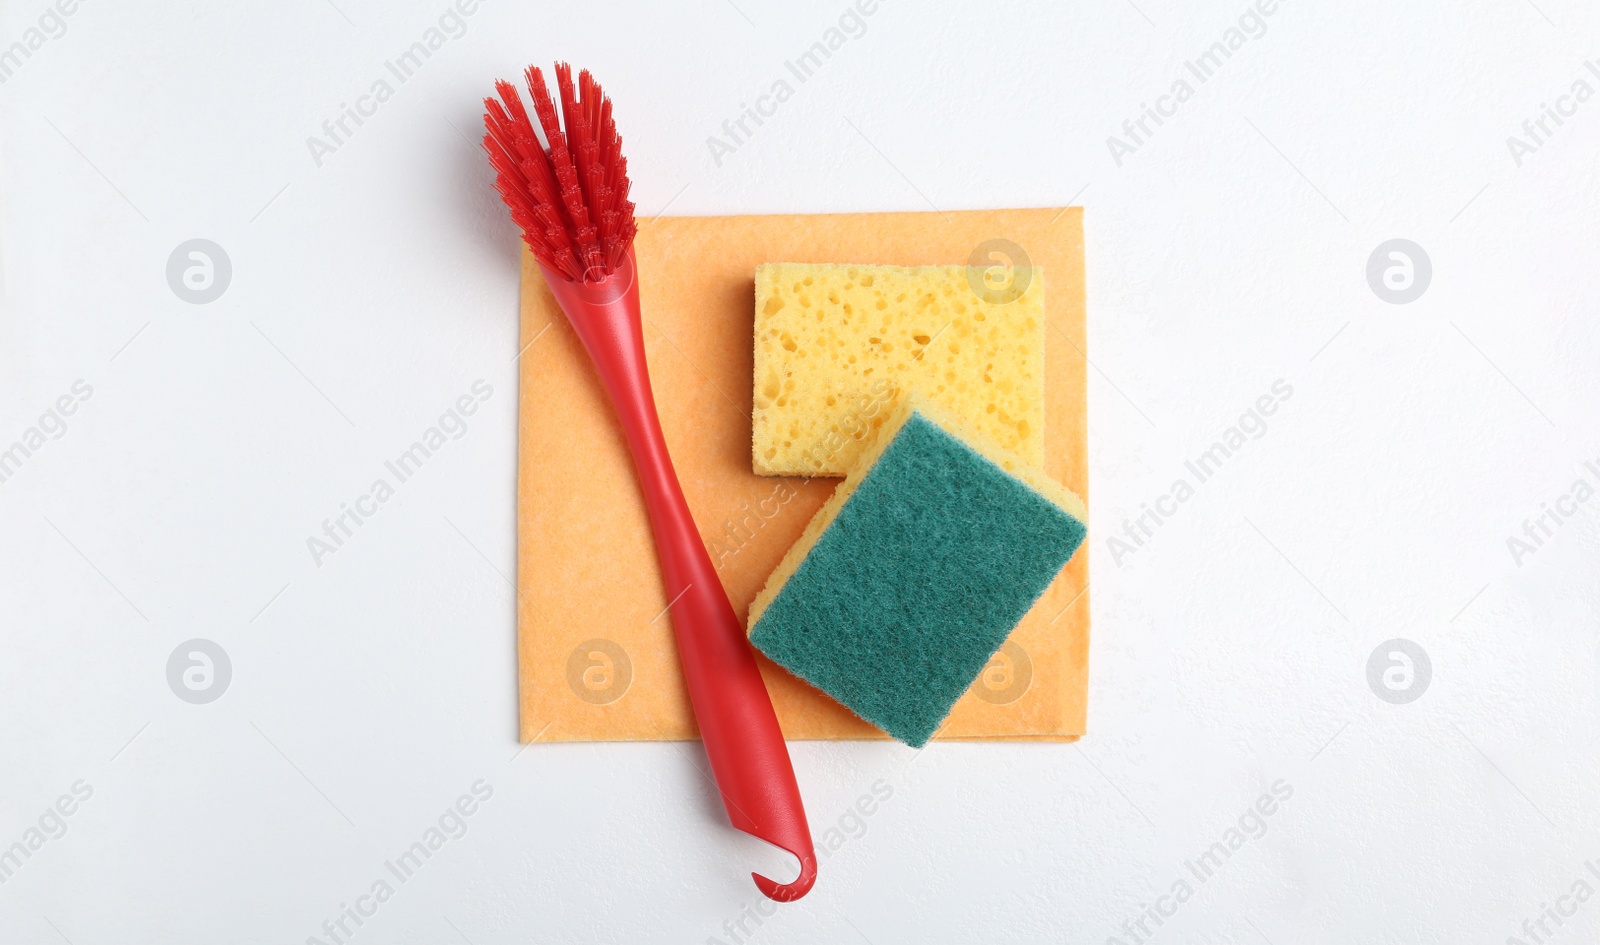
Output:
x=913 y=574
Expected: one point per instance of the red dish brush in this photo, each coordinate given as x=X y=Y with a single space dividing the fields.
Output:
x=570 y=197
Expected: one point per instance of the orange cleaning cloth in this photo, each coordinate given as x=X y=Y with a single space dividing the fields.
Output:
x=596 y=656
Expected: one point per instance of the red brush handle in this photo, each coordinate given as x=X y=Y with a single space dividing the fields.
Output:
x=748 y=756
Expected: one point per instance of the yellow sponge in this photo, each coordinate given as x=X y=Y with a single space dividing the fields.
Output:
x=837 y=344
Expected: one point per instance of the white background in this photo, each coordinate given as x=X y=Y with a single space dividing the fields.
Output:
x=1229 y=652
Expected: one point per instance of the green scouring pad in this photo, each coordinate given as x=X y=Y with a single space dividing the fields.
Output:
x=916 y=570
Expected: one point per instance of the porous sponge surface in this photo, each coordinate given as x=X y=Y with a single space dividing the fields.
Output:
x=832 y=341
x=916 y=579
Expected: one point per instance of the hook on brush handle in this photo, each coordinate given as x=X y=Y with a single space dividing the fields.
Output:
x=731 y=706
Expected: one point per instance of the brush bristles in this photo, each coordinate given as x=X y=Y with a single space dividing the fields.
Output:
x=569 y=194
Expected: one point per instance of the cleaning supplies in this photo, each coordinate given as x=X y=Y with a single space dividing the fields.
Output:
x=913 y=574
x=569 y=195
x=829 y=339
x=698 y=308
